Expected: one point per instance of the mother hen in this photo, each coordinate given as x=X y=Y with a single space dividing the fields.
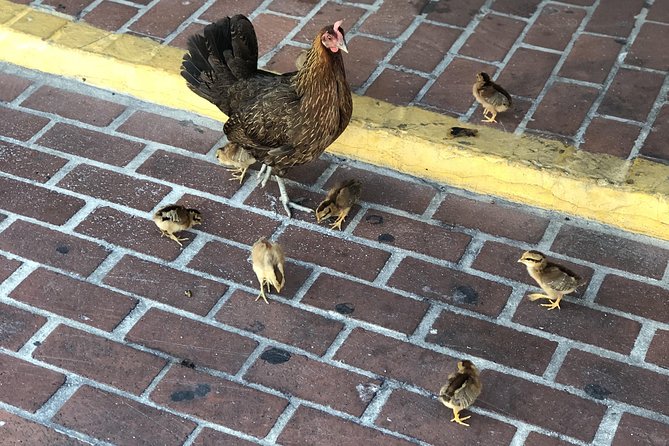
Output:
x=282 y=120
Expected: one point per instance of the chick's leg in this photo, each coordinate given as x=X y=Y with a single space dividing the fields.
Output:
x=492 y=116
x=554 y=303
x=262 y=292
x=457 y=419
x=536 y=296
x=238 y=174
x=342 y=216
x=174 y=237
x=287 y=204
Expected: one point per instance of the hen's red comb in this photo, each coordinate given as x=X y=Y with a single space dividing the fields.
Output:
x=337 y=24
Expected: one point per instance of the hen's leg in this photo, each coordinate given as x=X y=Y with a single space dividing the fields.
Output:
x=287 y=204
x=268 y=173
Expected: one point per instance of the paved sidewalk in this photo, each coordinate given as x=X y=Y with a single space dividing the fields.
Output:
x=100 y=344
x=592 y=73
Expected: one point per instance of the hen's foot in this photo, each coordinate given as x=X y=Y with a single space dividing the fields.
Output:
x=287 y=204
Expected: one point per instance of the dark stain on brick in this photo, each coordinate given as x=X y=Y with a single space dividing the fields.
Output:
x=256 y=327
x=63 y=249
x=188 y=363
x=374 y=219
x=275 y=356
x=596 y=391
x=188 y=395
x=386 y=238
x=464 y=294
x=344 y=308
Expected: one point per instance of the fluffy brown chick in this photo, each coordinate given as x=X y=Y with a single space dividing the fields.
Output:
x=174 y=218
x=554 y=279
x=338 y=202
x=236 y=159
x=491 y=96
x=462 y=389
x=268 y=263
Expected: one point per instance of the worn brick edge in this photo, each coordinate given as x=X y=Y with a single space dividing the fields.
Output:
x=632 y=195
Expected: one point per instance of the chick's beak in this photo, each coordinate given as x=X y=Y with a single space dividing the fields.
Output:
x=520 y=260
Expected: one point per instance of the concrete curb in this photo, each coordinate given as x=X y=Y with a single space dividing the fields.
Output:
x=631 y=195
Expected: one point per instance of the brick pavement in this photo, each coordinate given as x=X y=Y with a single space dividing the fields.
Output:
x=99 y=343
x=592 y=73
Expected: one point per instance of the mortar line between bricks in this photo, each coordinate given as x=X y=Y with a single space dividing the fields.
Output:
x=187 y=21
x=389 y=268
x=608 y=427
x=38 y=337
x=581 y=83
x=522 y=125
x=375 y=406
x=643 y=69
x=308 y=283
x=25 y=94
x=49 y=125
x=472 y=251
x=15 y=279
x=69 y=166
x=141 y=11
x=190 y=440
x=606 y=86
x=145 y=154
x=642 y=342
x=618 y=119
x=251 y=359
x=650 y=119
x=426 y=323
x=130 y=320
x=326 y=175
x=156 y=380
x=221 y=302
x=512 y=303
x=79 y=216
x=434 y=204
x=88 y=9
x=520 y=436
x=556 y=361
x=282 y=421
x=338 y=341
x=58 y=399
x=550 y=233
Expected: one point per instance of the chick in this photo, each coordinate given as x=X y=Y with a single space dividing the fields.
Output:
x=463 y=387
x=554 y=279
x=175 y=218
x=491 y=96
x=339 y=201
x=236 y=159
x=268 y=264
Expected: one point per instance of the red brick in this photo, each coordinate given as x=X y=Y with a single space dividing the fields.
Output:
x=427 y=419
x=114 y=187
x=413 y=235
x=658 y=352
x=199 y=343
x=232 y=263
x=23 y=162
x=298 y=8
x=189 y=172
x=634 y=297
x=141 y=277
x=393 y=17
x=582 y=324
x=605 y=378
x=566 y=414
x=591 y=58
x=311 y=426
x=453 y=12
x=19 y=431
x=393 y=358
x=555 y=26
x=655 y=145
x=37 y=202
x=491 y=217
x=271 y=30
x=615 y=17
x=381 y=189
x=110 y=16
x=90 y=144
x=309 y=173
x=52 y=247
x=658 y=12
x=11 y=86
x=17 y=326
x=19 y=125
x=503 y=31
x=7 y=266
x=129 y=231
x=313 y=381
x=527 y=71
x=638 y=431
x=431 y=42
x=99 y=359
x=519 y=350
x=613 y=251
x=327 y=15
x=453 y=89
x=523 y=9
x=284 y=60
x=611 y=137
x=280 y=322
x=210 y=437
x=537 y=439
x=165 y=16
x=336 y=253
x=501 y=260
x=74 y=299
x=181 y=39
x=223 y=8
x=366 y=303
x=451 y=286
x=365 y=55
x=219 y=401
x=39 y=383
x=396 y=87
x=74 y=106
x=632 y=94
x=101 y=415
x=70 y=7
x=183 y=134
x=555 y=116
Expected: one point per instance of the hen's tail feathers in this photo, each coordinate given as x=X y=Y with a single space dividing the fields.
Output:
x=227 y=52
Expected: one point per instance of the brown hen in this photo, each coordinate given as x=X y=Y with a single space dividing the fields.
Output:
x=280 y=120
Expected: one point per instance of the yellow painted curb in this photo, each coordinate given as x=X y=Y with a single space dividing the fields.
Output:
x=545 y=173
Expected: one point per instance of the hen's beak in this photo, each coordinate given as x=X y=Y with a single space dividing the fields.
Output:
x=342 y=46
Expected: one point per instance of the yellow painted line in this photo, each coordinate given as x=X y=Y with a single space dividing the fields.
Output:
x=631 y=195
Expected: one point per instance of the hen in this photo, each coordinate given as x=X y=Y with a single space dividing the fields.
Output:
x=280 y=120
